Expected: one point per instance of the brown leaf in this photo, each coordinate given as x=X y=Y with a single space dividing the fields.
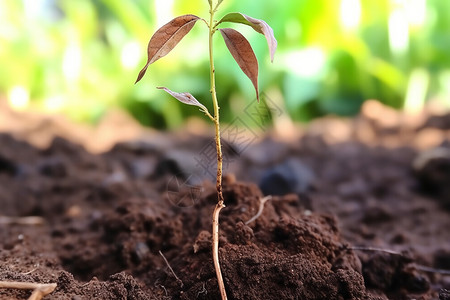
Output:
x=258 y=25
x=243 y=54
x=186 y=98
x=166 y=38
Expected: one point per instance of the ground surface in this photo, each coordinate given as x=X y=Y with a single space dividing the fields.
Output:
x=341 y=192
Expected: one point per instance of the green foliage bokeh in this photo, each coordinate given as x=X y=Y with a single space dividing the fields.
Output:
x=82 y=57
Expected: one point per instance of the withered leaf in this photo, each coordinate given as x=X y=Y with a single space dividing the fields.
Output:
x=243 y=54
x=258 y=25
x=166 y=38
x=186 y=98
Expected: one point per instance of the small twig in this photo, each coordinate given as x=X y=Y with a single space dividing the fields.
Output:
x=262 y=201
x=161 y=286
x=432 y=270
x=171 y=270
x=29 y=272
x=418 y=267
x=375 y=250
x=203 y=291
x=89 y=282
x=31 y=220
x=40 y=290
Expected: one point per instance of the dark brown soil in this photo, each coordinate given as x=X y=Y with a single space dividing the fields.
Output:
x=107 y=220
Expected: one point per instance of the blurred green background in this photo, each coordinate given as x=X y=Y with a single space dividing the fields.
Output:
x=81 y=57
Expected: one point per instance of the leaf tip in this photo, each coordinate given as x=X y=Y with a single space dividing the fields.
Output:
x=141 y=73
x=138 y=78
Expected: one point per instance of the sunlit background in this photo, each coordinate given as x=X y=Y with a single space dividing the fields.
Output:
x=82 y=57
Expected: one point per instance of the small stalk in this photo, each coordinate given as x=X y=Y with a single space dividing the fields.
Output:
x=220 y=200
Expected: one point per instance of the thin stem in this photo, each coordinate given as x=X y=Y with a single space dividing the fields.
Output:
x=216 y=111
x=208 y=115
x=217 y=6
x=220 y=200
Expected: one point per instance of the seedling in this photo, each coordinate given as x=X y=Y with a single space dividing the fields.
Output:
x=168 y=36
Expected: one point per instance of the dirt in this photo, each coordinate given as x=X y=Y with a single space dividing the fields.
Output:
x=357 y=212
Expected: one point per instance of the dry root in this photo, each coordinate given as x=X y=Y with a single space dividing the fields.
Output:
x=262 y=201
x=32 y=220
x=40 y=290
x=418 y=267
x=171 y=270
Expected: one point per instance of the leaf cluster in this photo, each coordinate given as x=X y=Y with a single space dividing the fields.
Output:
x=168 y=36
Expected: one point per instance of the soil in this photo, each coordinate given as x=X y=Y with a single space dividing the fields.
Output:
x=359 y=209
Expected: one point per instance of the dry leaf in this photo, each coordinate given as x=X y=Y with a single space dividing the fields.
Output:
x=186 y=98
x=243 y=54
x=166 y=38
x=258 y=25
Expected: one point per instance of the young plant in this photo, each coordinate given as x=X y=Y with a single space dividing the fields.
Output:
x=168 y=36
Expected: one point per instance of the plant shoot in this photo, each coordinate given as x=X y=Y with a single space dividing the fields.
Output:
x=167 y=37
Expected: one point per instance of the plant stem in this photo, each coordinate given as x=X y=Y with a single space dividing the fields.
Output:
x=216 y=110
x=220 y=200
